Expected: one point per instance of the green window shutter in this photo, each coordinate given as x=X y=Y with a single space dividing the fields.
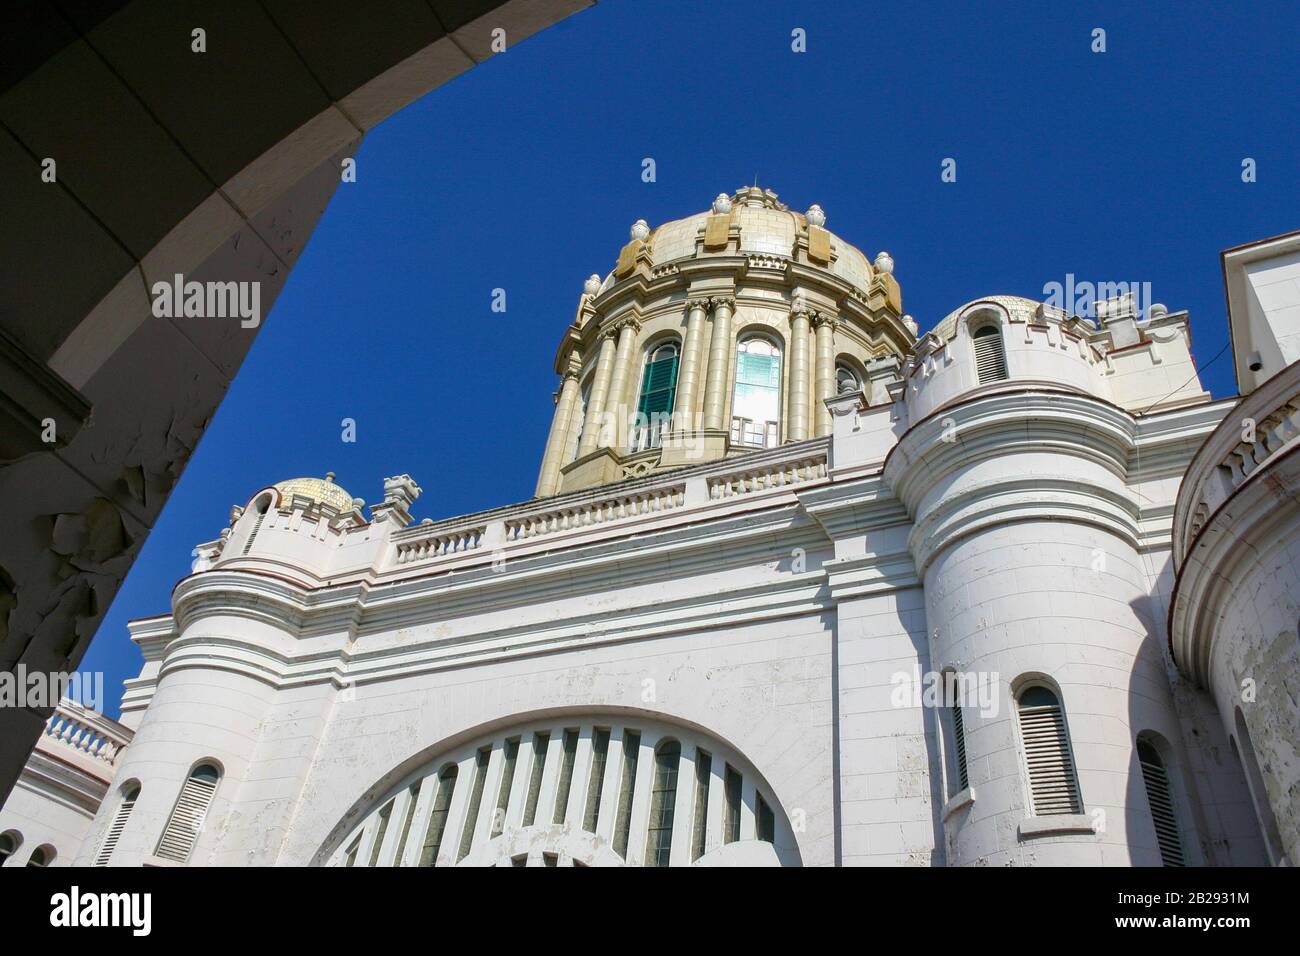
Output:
x=658 y=387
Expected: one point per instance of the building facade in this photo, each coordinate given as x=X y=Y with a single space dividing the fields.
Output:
x=796 y=588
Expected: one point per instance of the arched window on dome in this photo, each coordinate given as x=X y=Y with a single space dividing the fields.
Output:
x=654 y=407
x=1160 y=800
x=1053 y=782
x=846 y=380
x=130 y=794
x=663 y=800
x=756 y=401
x=990 y=357
x=10 y=841
x=186 y=820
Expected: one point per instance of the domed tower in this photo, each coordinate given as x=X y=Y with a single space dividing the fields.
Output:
x=715 y=335
x=217 y=668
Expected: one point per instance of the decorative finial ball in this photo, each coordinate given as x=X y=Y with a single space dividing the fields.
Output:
x=329 y=476
x=358 y=503
x=1157 y=310
x=641 y=230
x=815 y=216
x=910 y=323
x=884 y=263
x=592 y=285
x=722 y=205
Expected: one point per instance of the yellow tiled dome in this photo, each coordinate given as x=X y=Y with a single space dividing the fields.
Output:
x=322 y=491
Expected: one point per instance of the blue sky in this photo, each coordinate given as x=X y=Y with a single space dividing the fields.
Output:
x=525 y=174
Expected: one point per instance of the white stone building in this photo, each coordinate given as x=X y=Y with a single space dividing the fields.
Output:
x=796 y=589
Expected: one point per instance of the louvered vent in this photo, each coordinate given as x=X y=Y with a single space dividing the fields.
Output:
x=252 y=535
x=115 y=831
x=959 y=746
x=1053 y=786
x=1162 y=805
x=186 y=821
x=990 y=362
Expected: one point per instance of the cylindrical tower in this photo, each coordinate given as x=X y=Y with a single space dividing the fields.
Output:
x=204 y=782
x=1026 y=536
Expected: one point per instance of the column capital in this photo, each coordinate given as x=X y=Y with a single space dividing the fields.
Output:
x=697 y=302
x=729 y=301
x=615 y=328
x=820 y=318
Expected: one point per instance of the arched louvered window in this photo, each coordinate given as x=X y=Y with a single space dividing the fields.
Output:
x=663 y=800
x=10 y=841
x=846 y=380
x=990 y=359
x=438 y=816
x=584 y=792
x=42 y=856
x=260 y=507
x=186 y=820
x=1161 y=801
x=958 y=778
x=756 y=401
x=654 y=408
x=1053 y=784
x=129 y=797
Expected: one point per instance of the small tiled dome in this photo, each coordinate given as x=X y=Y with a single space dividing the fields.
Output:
x=322 y=491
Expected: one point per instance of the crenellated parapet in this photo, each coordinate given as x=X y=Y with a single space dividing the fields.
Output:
x=1006 y=341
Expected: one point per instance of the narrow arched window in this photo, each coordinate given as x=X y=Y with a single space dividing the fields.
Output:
x=990 y=359
x=129 y=797
x=42 y=856
x=846 y=380
x=1160 y=800
x=438 y=816
x=261 y=506
x=1053 y=785
x=958 y=778
x=654 y=408
x=10 y=841
x=756 y=401
x=186 y=820
x=1255 y=786
x=663 y=800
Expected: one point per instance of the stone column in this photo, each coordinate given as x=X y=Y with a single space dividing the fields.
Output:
x=824 y=323
x=798 y=426
x=558 y=440
x=722 y=352
x=688 y=381
x=616 y=401
x=599 y=392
